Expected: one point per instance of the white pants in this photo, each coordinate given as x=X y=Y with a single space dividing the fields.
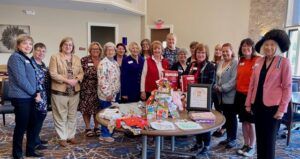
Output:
x=64 y=110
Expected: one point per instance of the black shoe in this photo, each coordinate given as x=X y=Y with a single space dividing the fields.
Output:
x=196 y=147
x=44 y=142
x=224 y=142
x=41 y=147
x=283 y=136
x=219 y=133
x=204 y=151
x=34 y=154
x=231 y=144
x=18 y=157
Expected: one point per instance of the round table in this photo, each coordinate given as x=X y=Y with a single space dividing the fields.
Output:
x=158 y=134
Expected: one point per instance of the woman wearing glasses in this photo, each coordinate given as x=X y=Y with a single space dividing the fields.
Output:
x=66 y=73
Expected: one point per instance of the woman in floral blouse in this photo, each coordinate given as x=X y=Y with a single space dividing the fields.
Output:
x=88 y=103
x=43 y=84
x=108 y=84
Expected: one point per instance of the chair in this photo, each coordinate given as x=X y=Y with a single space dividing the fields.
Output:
x=291 y=118
x=295 y=86
x=6 y=107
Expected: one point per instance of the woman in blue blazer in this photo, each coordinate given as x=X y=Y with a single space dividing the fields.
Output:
x=24 y=93
x=131 y=72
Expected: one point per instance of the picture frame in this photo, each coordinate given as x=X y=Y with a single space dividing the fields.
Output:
x=9 y=34
x=199 y=97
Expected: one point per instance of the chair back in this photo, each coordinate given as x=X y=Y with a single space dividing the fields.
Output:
x=289 y=119
x=4 y=91
x=295 y=86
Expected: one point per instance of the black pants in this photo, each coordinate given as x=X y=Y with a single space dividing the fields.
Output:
x=39 y=120
x=205 y=138
x=266 y=128
x=24 y=119
x=217 y=104
x=230 y=113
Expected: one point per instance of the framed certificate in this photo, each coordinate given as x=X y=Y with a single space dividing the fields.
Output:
x=199 y=97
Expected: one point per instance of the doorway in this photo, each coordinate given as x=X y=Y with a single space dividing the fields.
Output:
x=159 y=34
x=102 y=33
x=154 y=33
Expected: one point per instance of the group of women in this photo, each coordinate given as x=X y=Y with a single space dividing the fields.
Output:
x=109 y=75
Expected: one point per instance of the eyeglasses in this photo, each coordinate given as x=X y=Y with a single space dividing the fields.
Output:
x=65 y=44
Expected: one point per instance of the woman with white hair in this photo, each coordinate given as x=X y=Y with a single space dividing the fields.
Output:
x=171 y=51
x=132 y=71
x=180 y=65
x=269 y=90
x=108 y=84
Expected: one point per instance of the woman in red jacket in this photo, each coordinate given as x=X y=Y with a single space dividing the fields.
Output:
x=153 y=69
x=269 y=90
x=244 y=70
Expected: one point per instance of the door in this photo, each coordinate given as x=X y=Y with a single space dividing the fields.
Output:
x=154 y=33
x=159 y=34
x=102 y=33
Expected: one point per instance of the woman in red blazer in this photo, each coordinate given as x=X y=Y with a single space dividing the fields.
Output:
x=269 y=90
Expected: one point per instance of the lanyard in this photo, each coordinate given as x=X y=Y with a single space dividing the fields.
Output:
x=202 y=69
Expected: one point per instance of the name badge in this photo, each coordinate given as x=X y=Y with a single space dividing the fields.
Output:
x=242 y=64
x=90 y=64
x=27 y=61
x=130 y=62
x=195 y=68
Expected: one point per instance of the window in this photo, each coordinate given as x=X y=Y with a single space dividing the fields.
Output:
x=293 y=30
x=293 y=13
x=294 y=51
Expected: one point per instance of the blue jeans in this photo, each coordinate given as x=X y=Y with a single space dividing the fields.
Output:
x=104 y=130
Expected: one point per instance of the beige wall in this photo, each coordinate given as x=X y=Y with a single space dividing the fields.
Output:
x=51 y=25
x=206 y=21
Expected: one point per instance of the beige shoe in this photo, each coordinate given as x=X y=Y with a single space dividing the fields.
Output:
x=107 y=139
x=63 y=143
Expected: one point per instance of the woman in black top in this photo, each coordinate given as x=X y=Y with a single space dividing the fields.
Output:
x=204 y=72
x=180 y=65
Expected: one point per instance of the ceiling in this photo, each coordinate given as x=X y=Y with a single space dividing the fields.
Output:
x=83 y=5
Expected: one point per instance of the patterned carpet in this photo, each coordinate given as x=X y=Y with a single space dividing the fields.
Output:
x=129 y=148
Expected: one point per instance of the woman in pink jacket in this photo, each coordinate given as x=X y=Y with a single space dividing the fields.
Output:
x=269 y=90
